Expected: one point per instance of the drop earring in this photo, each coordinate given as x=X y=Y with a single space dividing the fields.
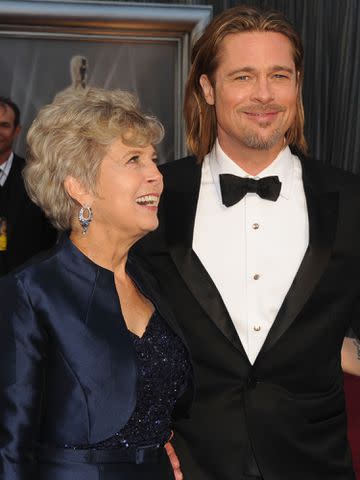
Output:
x=85 y=216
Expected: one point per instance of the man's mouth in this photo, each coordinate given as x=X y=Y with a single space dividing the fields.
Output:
x=150 y=200
x=260 y=114
x=263 y=110
x=261 y=117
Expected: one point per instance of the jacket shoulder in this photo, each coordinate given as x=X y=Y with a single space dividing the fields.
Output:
x=38 y=265
x=330 y=177
x=189 y=162
x=179 y=170
x=18 y=163
x=18 y=159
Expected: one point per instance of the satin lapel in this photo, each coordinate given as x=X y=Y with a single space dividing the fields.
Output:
x=180 y=210
x=323 y=215
x=149 y=288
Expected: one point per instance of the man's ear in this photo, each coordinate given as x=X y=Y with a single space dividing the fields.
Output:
x=77 y=191
x=208 y=90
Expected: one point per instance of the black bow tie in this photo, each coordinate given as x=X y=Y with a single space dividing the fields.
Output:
x=234 y=188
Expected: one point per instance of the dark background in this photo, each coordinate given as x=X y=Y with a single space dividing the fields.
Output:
x=331 y=34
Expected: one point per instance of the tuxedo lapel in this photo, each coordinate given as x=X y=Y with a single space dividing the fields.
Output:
x=322 y=208
x=16 y=188
x=180 y=200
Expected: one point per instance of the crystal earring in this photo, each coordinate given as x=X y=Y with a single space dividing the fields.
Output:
x=85 y=216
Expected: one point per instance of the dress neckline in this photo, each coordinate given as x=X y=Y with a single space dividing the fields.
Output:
x=139 y=338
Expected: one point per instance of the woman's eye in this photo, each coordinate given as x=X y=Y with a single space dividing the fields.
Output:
x=134 y=159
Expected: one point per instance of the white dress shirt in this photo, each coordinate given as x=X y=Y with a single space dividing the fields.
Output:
x=253 y=249
x=5 y=169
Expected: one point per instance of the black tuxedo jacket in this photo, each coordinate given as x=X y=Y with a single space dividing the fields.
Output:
x=28 y=230
x=288 y=408
x=68 y=369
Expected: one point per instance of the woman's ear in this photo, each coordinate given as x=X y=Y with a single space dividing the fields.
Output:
x=77 y=191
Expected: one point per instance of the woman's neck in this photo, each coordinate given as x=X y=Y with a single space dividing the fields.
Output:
x=107 y=250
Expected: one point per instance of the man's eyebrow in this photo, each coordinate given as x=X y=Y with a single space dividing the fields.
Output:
x=248 y=69
x=241 y=70
x=283 y=68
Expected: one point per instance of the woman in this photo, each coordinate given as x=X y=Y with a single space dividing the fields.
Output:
x=92 y=361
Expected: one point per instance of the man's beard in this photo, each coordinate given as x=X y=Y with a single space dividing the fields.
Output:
x=253 y=140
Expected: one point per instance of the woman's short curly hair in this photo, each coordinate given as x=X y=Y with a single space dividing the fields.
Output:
x=70 y=137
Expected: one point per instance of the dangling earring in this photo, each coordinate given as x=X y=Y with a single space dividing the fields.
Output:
x=85 y=219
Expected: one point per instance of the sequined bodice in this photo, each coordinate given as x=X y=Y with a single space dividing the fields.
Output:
x=163 y=371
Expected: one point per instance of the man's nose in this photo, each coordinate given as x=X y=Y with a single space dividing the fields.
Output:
x=262 y=91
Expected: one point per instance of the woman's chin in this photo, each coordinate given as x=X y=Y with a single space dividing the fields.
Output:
x=152 y=226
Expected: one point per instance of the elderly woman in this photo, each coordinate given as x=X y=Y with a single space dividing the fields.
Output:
x=92 y=361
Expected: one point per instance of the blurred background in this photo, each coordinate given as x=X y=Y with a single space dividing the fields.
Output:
x=331 y=34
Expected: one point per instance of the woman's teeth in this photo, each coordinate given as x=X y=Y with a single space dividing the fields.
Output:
x=152 y=200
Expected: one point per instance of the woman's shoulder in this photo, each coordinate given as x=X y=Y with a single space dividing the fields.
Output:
x=39 y=263
x=62 y=260
x=55 y=279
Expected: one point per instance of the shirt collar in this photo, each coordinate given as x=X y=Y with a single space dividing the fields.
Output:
x=5 y=169
x=283 y=166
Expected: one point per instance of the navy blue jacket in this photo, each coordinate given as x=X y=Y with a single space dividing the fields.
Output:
x=68 y=369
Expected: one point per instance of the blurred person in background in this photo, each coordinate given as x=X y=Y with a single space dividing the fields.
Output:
x=25 y=230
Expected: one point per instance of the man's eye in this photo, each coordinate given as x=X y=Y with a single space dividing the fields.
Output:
x=243 y=77
x=280 y=75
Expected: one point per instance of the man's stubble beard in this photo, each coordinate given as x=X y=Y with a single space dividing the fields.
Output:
x=252 y=139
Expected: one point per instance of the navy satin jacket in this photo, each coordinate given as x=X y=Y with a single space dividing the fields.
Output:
x=68 y=369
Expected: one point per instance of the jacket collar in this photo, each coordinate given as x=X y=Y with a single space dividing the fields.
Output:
x=92 y=273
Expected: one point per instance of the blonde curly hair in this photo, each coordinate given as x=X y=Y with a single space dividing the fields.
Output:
x=71 y=136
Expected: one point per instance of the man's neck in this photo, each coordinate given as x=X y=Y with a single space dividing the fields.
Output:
x=4 y=156
x=252 y=161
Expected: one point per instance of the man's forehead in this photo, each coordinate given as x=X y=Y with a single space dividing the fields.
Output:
x=257 y=47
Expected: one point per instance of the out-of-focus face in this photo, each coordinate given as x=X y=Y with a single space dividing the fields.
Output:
x=8 y=131
x=254 y=90
x=128 y=191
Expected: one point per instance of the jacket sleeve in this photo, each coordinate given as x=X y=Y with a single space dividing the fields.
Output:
x=22 y=347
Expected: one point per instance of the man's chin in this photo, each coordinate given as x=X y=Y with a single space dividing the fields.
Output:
x=5 y=149
x=268 y=142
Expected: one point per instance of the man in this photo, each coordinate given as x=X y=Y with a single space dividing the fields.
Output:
x=24 y=230
x=258 y=253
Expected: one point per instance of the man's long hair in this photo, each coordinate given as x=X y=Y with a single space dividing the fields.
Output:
x=200 y=118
